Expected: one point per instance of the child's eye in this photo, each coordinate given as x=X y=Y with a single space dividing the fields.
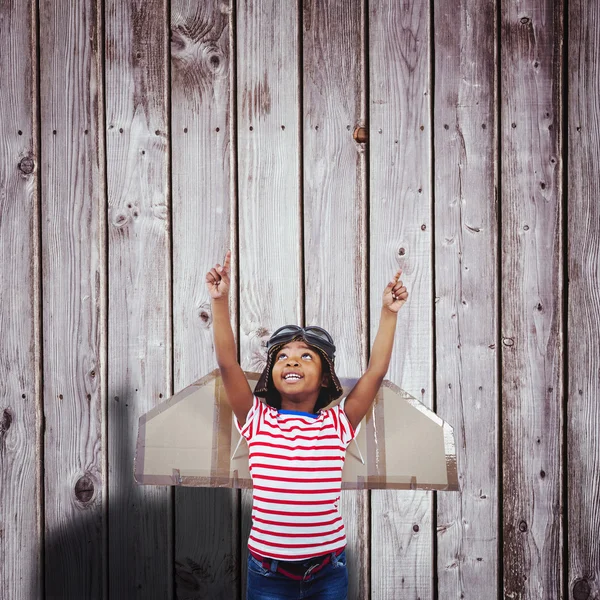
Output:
x=282 y=355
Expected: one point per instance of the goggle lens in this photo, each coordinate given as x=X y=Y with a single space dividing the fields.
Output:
x=312 y=333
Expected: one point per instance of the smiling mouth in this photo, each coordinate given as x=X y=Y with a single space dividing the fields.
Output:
x=292 y=378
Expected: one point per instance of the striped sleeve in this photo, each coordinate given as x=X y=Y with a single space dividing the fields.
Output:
x=254 y=415
x=342 y=425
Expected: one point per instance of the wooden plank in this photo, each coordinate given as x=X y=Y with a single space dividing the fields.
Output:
x=335 y=216
x=271 y=286
x=20 y=367
x=466 y=292
x=400 y=236
x=583 y=224
x=74 y=307
x=531 y=289
x=139 y=367
x=206 y=520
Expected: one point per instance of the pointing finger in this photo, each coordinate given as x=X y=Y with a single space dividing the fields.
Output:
x=227 y=260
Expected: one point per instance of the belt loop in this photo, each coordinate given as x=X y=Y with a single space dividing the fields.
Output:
x=273 y=567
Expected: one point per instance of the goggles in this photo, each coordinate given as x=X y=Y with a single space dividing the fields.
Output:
x=315 y=336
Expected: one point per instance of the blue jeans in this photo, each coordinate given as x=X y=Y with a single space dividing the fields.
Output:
x=329 y=583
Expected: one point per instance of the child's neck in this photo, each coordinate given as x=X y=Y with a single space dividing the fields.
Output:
x=306 y=405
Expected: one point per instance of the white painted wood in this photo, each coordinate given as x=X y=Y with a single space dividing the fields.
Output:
x=139 y=352
x=20 y=368
x=400 y=236
x=466 y=303
x=74 y=311
x=206 y=520
x=270 y=246
x=335 y=236
x=531 y=305
x=582 y=245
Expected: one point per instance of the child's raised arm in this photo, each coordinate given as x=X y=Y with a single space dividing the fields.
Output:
x=239 y=394
x=361 y=397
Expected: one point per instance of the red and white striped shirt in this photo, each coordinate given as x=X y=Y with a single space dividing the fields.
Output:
x=296 y=461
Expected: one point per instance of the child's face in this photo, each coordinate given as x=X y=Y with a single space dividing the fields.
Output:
x=299 y=358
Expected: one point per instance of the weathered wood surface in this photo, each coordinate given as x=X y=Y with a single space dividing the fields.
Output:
x=206 y=520
x=139 y=353
x=303 y=210
x=73 y=228
x=531 y=290
x=334 y=216
x=466 y=278
x=270 y=242
x=400 y=236
x=582 y=244
x=20 y=368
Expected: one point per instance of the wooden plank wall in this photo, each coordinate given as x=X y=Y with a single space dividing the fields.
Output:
x=139 y=287
x=74 y=317
x=400 y=203
x=582 y=313
x=141 y=140
x=466 y=322
x=203 y=218
x=531 y=241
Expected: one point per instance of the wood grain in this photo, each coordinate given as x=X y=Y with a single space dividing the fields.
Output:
x=583 y=228
x=532 y=284
x=270 y=244
x=73 y=304
x=400 y=236
x=206 y=520
x=335 y=237
x=20 y=368
x=139 y=554
x=466 y=326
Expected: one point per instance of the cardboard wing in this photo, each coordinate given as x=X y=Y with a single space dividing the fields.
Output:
x=191 y=440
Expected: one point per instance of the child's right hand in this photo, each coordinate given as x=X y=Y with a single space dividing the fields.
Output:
x=217 y=279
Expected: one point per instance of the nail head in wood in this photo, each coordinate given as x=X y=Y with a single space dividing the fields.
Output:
x=360 y=135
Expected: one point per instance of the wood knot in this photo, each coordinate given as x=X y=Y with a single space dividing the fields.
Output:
x=26 y=165
x=215 y=62
x=84 y=489
x=360 y=135
x=415 y=528
x=508 y=341
x=205 y=316
x=401 y=251
x=581 y=589
x=522 y=527
x=178 y=42
x=525 y=20
x=120 y=220
x=5 y=421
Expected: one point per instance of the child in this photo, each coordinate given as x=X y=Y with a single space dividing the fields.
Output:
x=297 y=446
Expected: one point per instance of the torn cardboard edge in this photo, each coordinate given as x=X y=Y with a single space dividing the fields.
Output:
x=191 y=440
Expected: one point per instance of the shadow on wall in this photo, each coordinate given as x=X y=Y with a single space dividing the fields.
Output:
x=139 y=526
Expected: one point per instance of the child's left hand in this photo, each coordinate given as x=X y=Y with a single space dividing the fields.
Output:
x=395 y=294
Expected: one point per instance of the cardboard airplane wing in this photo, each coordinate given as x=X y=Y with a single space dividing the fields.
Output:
x=191 y=440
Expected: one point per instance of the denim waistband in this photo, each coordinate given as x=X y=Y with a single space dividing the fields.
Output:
x=298 y=570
